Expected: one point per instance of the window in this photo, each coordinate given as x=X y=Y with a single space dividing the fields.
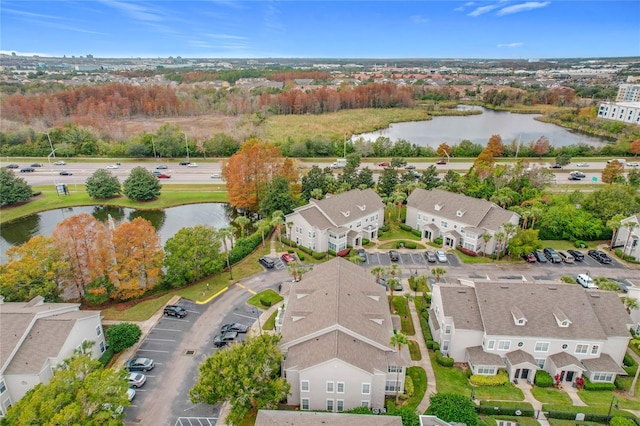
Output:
x=394 y=369
x=392 y=386
x=329 y=387
x=340 y=387
x=595 y=349
x=366 y=388
x=329 y=404
x=564 y=346
x=304 y=386
x=520 y=344
x=491 y=345
x=101 y=347
x=602 y=377
x=504 y=345
x=540 y=362
x=358 y=224
x=582 y=349
x=443 y=223
x=486 y=370
x=339 y=405
x=98 y=330
x=3 y=387
x=364 y=404
x=542 y=347
x=445 y=345
x=447 y=329
x=305 y=403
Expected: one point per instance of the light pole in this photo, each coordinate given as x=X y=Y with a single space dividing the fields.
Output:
x=186 y=144
x=53 y=152
x=50 y=144
x=611 y=406
x=255 y=311
x=154 y=147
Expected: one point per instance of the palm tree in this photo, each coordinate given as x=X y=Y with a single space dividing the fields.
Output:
x=509 y=229
x=290 y=234
x=629 y=303
x=614 y=224
x=293 y=270
x=224 y=234
x=399 y=198
x=242 y=221
x=525 y=214
x=277 y=220
x=421 y=283
x=536 y=212
x=377 y=272
x=262 y=225
x=397 y=340
x=438 y=272
x=499 y=239
x=631 y=226
x=486 y=237
x=392 y=283
x=394 y=270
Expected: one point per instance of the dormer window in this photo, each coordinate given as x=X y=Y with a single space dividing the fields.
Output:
x=363 y=207
x=518 y=316
x=438 y=207
x=346 y=214
x=561 y=318
x=460 y=213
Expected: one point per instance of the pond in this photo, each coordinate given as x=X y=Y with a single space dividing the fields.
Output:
x=479 y=128
x=167 y=222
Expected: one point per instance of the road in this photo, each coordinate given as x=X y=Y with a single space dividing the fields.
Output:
x=50 y=174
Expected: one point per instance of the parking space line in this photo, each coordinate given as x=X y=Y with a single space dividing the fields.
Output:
x=151 y=350
x=244 y=316
x=159 y=340
x=166 y=329
x=176 y=319
x=245 y=288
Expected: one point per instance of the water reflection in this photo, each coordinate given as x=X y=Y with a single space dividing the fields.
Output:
x=167 y=222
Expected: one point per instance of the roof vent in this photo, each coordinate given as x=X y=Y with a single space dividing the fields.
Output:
x=438 y=207
x=346 y=214
x=363 y=207
x=460 y=213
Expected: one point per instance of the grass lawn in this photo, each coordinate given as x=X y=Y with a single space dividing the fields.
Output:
x=398 y=234
x=499 y=393
x=419 y=377
x=270 y=323
x=267 y=295
x=550 y=396
x=465 y=258
x=392 y=245
x=414 y=350
x=603 y=399
x=401 y=305
x=559 y=422
x=598 y=409
x=450 y=379
x=566 y=245
x=171 y=195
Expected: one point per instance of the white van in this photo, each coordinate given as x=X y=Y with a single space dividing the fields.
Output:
x=585 y=281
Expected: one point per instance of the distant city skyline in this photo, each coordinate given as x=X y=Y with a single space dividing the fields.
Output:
x=501 y=29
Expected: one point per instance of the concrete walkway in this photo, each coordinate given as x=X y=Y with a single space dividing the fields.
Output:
x=425 y=362
x=537 y=405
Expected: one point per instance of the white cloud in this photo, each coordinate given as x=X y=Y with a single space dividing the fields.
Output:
x=523 y=7
x=225 y=36
x=419 y=19
x=135 y=11
x=482 y=10
x=511 y=45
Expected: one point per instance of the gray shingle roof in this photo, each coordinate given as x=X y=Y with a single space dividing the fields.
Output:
x=563 y=359
x=477 y=356
x=519 y=356
x=477 y=213
x=461 y=304
x=310 y=418
x=603 y=364
x=357 y=203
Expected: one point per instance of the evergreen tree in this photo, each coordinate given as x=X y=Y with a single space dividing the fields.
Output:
x=102 y=184
x=141 y=185
x=277 y=197
x=13 y=189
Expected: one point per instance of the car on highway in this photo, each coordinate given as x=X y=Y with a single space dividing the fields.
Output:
x=27 y=170
x=156 y=172
x=136 y=380
x=36 y=164
x=267 y=262
x=60 y=163
x=112 y=167
x=192 y=165
x=441 y=162
x=430 y=256
x=163 y=176
x=578 y=174
x=287 y=258
x=633 y=164
x=529 y=257
x=441 y=255
x=225 y=338
x=410 y=167
x=572 y=177
x=556 y=166
x=162 y=167
x=540 y=257
x=362 y=254
x=600 y=256
x=566 y=258
x=139 y=364
x=12 y=166
x=236 y=326
x=216 y=175
x=577 y=255
x=65 y=173
x=394 y=255
x=585 y=281
x=175 y=311
x=185 y=163
x=384 y=164
x=582 y=165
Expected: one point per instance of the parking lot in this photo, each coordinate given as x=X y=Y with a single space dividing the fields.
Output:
x=408 y=259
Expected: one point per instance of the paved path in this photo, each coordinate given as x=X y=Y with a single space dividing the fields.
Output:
x=425 y=362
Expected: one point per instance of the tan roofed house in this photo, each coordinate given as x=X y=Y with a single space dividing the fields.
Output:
x=337 y=220
x=336 y=334
x=456 y=218
x=35 y=337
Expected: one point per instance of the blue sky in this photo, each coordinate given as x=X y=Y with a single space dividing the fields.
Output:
x=322 y=29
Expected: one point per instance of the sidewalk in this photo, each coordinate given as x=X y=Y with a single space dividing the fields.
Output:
x=425 y=362
x=537 y=405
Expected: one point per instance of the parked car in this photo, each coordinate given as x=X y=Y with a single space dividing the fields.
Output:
x=441 y=162
x=60 y=163
x=441 y=255
x=267 y=262
x=139 y=364
x=65 y=173
x=394 y=255
x=36 y=164
x=175 y=311
x=136 y=380
x=131 y=393
x=185 y=163
x=225 y=338
x=566 y=258
x=540 y=257
x=582 y=165
x=27 y=170
x=577 y=255
x=162 y=167
x=600 y=256
x=384 y=164
x=288 y=258
x=431 y=256
x=585 y=281
x=236 y=326
x=552 y=255
x=192 y=165
x=410 y=167
x=12 y=166
x=362 y=254
x=112 y=166
x=397 y=284
x=163 y=176
x=529 y=257
x=621 y=286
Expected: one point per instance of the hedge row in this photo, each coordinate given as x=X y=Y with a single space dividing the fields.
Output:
x=543 y=379
x=505 y=408
x=588 y=385
x=244 y=246
x=315 y=254
x=289 y=242
x=500 y=379
x=405 y=227
x=406 y=244
x=444 y=361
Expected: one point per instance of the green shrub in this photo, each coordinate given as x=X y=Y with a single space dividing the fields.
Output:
x=318 y=255
x=438 y=241
x=365 y=241
x=580 y=244
x=543 y=379
x=410 y=245
x=400 y=244
x=289 y=242
x=122 y=336
x=567 y=279
x=500 y=379
x=598 y=386
x=332 y=252
x=629 y=361
x=306 y=250
x=443 y=360
x=405 y=227
x=300 y=255
x=265 y=302
x=408 y=388
x=436 y=346
x=468 y=373
x=380 y=232
x=417 y=233
x=385 y=228
x=106 y=357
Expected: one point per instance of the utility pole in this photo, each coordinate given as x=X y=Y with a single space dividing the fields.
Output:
x=50 y=144
x=154 y=147
x=186 y=144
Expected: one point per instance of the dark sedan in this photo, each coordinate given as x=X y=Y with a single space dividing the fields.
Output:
x=540 y=257
x=65 y=173
x=394 y=255
x=577 y=255
x=139 y=364
x=12 y=166
x=236 y=326
x=27 y=170
x=225 y=338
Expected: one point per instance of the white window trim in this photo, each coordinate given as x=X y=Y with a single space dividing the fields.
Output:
x=302 y=401
x=332 y=385
x=302 y=385
x=580 y=346
x=337 y=406
x=368 y=386
x=535 y=348
x=500 y=345
x=333 y=405
x=491 y=344
x=338 y=387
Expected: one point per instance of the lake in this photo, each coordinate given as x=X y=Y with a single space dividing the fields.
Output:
x=479 y=128
x=167 y=222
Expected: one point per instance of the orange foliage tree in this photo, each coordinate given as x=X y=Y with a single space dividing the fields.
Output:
x=495 y=146
x=612 y=171
x=443 y=150
x=138 y=258
x=635 y=147
x=78 y=238
x=250 y=170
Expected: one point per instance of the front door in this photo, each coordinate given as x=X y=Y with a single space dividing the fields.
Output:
x=517 y=375
x=525 y=373
x=569 y=376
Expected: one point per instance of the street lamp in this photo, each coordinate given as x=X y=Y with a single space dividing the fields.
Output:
x=611 y=406
x=154 y=147
x=258 y=318
x=50 y=144
x=53 y=152
x=186 y=144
